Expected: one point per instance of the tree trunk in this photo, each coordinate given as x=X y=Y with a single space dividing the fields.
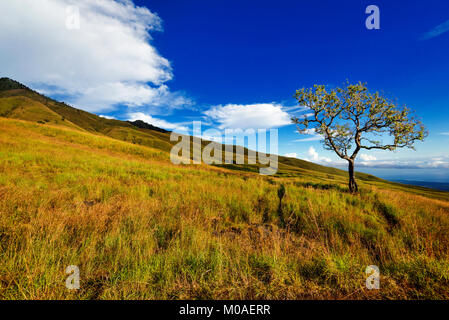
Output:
x=353 y=188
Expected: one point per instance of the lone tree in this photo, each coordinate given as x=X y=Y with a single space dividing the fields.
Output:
x=351 y=118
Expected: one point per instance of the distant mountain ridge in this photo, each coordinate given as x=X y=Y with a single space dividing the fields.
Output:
x=428 y=184
x=12 y=88
x=143 y=125
x=9 y=84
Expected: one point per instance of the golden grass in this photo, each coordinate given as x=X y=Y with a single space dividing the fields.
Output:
x=139 y=227
x=24 y=108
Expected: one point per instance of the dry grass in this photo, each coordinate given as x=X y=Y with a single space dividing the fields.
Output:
x=139 y=227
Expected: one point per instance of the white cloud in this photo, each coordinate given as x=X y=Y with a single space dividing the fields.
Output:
x=415 y=163
x=215 y=138
x=256 y=116
x=313 y=156
x=291 y=155
x=445 y=133
x=109 y=60
x=367 y=157
x=160 y=123
x=106 y=117
x=369 y=161
x=435 y=32
x=313 y=136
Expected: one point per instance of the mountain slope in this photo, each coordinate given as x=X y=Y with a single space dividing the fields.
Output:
x=24 y=108
x=137 y=132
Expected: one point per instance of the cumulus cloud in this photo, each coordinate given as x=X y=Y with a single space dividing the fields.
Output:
x=291 y=155
x=256 y=116
x=367 y=157
x=313 y=156
x=109 y=60
x=160 y=123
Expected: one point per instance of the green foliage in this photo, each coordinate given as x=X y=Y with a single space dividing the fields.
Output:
x=9 y=84
x=351 y=118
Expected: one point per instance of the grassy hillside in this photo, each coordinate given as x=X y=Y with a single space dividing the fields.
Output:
x=12 y=90
x=24 y=108
x=140 y=227
x=18 y=101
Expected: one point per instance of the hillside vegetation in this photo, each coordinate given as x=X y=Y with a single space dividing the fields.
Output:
x=137 y=133
x=139 y=227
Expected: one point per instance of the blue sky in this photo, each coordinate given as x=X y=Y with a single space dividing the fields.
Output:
x=237 y=63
